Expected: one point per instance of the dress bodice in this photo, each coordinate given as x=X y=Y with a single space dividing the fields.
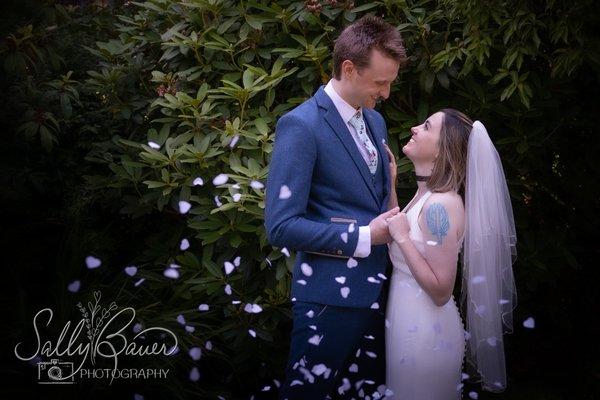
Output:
x=415 y=235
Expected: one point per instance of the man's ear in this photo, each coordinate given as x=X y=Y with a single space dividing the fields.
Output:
x=348 y=69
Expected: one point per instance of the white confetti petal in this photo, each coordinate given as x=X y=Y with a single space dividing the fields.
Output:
x=306 y=269
x=208 y=345
x=198 y=182
x=529 y=323
x=473 y=395
x=189 y=328
x=375 y=306
x=256 y=185
x=310 y=314
x=184 y=207
x=137 y=328
x=229 y=267
x=301 y=282
x=492 y=340
x=174 y=266
x=478 y=279
x=351 y=228
x=171 y=273
x=340 y=279
x=218 y=201
x=154 y=145
x=252 y=332
x=315 y=340
x=194 y=374
x=237 y=260
x=344 y=237
x=184 y=245
x=431 y=243
x=285 y=251
x=382 y=276
x=234 y=141
x=92 y=262
x=464 y=376
x=203 y=307
x=503 y=301
x=236 y=197
x=131 y=270
x=138 y=283
x=181 y=319
x=220 y=179
x=373 y=280
x=228 y=289
x=74 y=286
x=319 y=369
x=345 y=291
x=285 y=192
x=313 y=327
x=351 y=263
x=353 y=368
x=371 y=354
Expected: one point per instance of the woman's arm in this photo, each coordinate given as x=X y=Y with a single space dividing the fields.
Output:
x=393 y=200
x=435 y=271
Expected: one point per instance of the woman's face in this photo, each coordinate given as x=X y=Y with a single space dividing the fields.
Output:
x=423 y=145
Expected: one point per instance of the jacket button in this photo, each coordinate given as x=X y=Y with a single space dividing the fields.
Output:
x=339 y=252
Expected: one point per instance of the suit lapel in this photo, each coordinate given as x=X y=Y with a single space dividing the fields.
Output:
x=383 y=157
x=334 y=120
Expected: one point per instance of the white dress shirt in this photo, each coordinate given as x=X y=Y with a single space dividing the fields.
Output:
x=346 y=111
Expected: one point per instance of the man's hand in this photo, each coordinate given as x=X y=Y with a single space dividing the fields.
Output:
x=380 y=233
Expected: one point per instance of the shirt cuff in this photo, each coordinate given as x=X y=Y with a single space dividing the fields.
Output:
x=363 y=247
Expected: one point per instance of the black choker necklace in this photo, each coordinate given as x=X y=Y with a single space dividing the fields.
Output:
x=421 y=178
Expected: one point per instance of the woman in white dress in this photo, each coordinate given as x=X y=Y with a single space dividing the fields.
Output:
x=426 y=340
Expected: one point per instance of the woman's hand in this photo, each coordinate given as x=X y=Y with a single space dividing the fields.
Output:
x=392 y=165
x=399 y=227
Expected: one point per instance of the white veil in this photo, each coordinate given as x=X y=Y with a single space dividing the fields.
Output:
x=488 y=286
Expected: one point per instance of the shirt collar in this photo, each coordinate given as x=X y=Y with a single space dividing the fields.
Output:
x=345 y=110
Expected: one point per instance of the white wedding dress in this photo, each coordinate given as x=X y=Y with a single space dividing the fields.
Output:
x=425 y=343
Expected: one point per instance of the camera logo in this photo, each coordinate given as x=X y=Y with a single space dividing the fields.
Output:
x=55 y=372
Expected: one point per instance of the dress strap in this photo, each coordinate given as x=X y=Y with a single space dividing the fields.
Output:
x=419 y=205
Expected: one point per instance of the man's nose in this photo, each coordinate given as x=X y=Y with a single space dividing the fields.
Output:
x=413 y=130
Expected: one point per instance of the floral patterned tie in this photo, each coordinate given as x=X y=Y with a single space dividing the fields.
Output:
x=358 y=123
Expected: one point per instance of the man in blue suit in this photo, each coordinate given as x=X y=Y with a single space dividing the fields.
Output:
x=327 y=198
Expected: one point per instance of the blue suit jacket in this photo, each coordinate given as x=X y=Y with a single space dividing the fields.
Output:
x=331 y=187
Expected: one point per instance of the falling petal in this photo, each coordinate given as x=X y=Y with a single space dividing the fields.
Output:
x=375 y=306
x=480 y=309
x=195 y=353
x=181 y=319
x=237 y=260
x=154 y=145
x=190 y=329
x=492 y=341
x=464 y=376
x=382 y=276
x=194 y=374
x=220 y=179
x=184 y=207
x=131 y=270
x=252 y=333
x=340 y=279
x=503 y=301
x=184 y=245
x=285 y=251
x=234 y=141
x=228 y=289
x=371 y=354
x=351 y=263
x=208 y=345
x=229 y=267
x=284 y=192
x=137 y=328
x=373 y=280
x=175 y=266
x=198 y=182
x=301 y=282
x=256 y=185
x=431 y=243
x=473 y=395
x=235 y=302
x=266 y=388
x=218 y=201
x=345 y=291
x=529 y=323
x=319 y=369
x=344 y=237
x=353 y=368
x=306 y=269
x=171 y=273
x=316 y=340
x=138 y=283
x=92 y=262
x=478 y=279
x=310 y=314
x=236 y=197
x=203 y=307
x=351 y=228
x=74 y=286
x=313 y=327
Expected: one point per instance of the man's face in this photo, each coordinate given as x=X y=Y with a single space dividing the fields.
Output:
x=373 y=82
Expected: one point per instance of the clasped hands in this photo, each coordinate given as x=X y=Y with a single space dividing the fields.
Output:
x=391 y=225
